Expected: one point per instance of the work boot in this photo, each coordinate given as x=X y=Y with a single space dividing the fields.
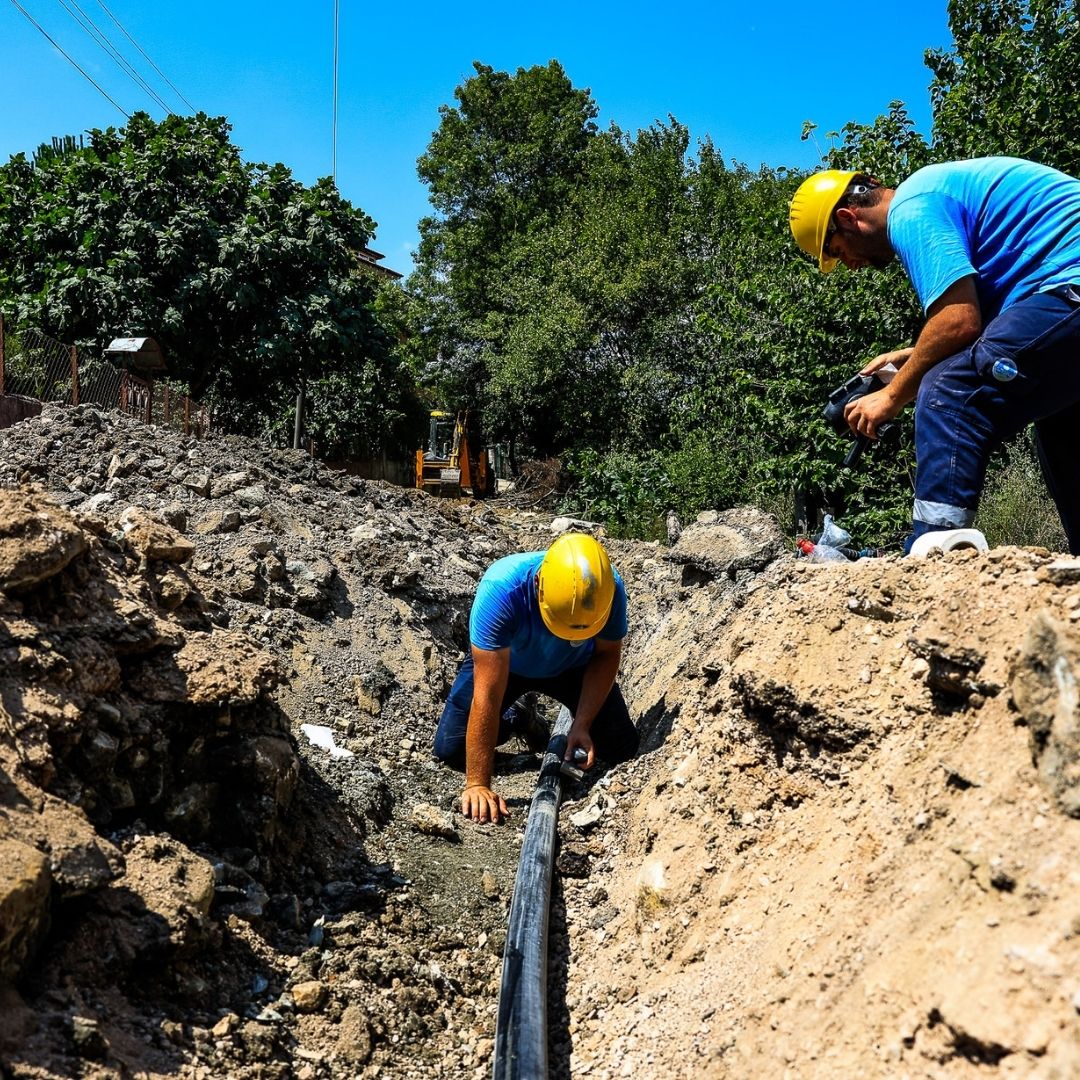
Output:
x=530 y=724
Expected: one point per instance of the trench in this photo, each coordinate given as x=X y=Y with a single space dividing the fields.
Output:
x=521 y=1030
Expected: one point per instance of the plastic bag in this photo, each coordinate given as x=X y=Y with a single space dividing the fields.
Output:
x=833 y=535
x=825 y=553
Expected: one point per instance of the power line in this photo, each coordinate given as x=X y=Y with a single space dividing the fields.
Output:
x=333 y=170
x=45 y=34
x=146 y=57
x=90 y=28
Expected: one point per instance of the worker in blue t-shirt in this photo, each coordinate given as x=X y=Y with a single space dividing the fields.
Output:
x=992 y=247
x=551 y=622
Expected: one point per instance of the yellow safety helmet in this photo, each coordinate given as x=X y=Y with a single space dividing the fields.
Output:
x=811 y=210
x=575 y=587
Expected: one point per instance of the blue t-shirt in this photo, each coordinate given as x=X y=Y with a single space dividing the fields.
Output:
x=1014 y=224
x=506 y=614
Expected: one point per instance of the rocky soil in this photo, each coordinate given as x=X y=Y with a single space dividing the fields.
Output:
x=848 y=848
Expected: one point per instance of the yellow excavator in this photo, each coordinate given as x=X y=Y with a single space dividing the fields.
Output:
x=453 y=462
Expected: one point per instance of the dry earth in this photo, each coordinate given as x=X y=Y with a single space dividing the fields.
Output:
x=848 y=848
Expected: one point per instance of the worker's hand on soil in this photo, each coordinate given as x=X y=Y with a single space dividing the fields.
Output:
x=866 y=414
x=579 y=740
x=898 y=357
x=480 y=803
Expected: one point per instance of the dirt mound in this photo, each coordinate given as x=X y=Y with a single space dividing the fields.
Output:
x=854 y=854
x=848 y=847
x=180 y=611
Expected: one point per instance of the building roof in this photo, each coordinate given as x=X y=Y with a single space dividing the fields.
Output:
x=371 y=258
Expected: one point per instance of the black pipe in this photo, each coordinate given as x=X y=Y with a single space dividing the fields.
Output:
x=521 y=1028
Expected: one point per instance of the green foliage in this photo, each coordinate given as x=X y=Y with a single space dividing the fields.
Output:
x=28 y=370
x=500 y=163
x=59 y=146
x=344 y=423
x=249 y=279
x=589 y=331
x=639 y=308
x=889 y=148
x=1016 y=507
x=702 y=474
x=1011 y=84
x=627 y=491
x=654 y=324
x=499 y=168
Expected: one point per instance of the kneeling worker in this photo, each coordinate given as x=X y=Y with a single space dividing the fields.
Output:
x=550 y=622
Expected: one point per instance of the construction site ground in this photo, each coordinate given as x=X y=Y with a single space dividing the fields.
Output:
x=848 y=847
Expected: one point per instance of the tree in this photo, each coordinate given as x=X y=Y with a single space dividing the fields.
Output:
x=591 y=305
x=499 y=168
x=653 y=323
x=889 y=148
x=554 y=248
x=1011 y=82
x=249 y=279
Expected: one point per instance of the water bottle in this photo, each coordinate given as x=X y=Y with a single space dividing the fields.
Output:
x=1004 y=370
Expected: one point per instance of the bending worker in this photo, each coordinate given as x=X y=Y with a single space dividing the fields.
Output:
x=992 y=247
x=551 y=622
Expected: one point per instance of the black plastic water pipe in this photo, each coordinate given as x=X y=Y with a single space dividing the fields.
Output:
x=521 y=1028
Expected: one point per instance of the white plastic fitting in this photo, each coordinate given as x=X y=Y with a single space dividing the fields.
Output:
x=949 y=540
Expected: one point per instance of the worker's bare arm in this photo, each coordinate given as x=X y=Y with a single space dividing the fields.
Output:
x=491 y=670
x=954 y=321
x=598 y=680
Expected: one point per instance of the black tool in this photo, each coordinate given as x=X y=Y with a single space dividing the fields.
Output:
x=856 y=387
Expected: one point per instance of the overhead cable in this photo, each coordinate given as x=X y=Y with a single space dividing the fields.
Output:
x=91 y=29
x=164 y=77
x=333 y=165
x=53 y=43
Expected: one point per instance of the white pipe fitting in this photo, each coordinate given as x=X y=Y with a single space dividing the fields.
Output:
x=949 y=540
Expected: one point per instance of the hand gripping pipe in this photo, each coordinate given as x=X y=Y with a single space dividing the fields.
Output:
x=521 y=1028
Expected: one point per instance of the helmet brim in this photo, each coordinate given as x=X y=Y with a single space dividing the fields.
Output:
x=574 y=633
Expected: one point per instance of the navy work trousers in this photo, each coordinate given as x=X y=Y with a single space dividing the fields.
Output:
x=964 y=411
x=613 y=733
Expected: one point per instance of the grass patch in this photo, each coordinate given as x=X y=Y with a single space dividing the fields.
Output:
x=1016 y=507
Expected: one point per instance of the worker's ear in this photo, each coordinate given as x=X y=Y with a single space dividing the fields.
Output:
x=847 y=219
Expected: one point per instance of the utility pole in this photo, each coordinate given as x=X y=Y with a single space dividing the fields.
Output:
x=298 y=426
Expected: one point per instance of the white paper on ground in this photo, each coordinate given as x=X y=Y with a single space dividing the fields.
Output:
x=324 y=737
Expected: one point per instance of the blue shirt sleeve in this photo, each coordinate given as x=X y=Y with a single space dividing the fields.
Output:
x=931 y=237
x=492 y=619
x=616 y=627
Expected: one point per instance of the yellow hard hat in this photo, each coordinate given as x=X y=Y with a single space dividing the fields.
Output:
x=575 y=587
x=811 y=209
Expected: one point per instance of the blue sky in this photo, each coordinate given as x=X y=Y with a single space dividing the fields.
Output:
x=746 y=75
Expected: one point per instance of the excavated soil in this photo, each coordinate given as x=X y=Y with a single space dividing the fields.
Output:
x=848 y=847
